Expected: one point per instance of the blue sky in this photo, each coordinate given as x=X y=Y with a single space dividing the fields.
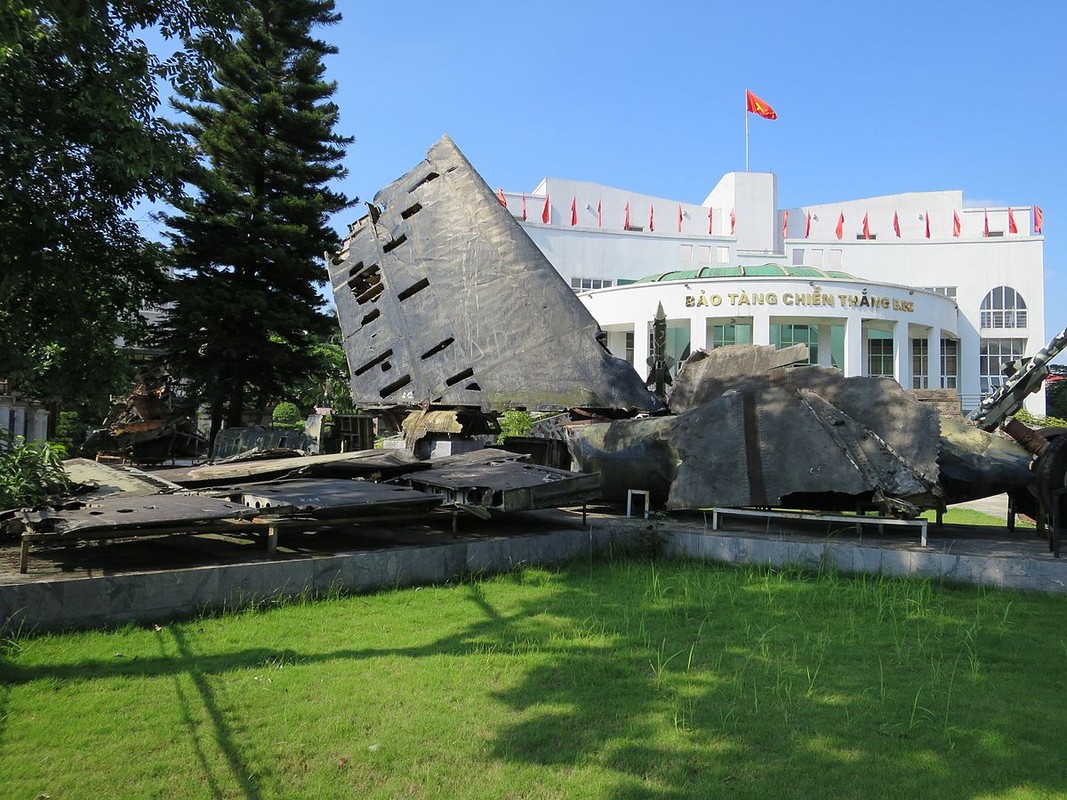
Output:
x=873 y=98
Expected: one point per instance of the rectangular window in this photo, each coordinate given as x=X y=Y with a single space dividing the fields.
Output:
x=732 y=333
x=798 y=256
x=585 y=284
x=835 y=258
x=722 y=255
x=704 y=254
x=920 y=364
x=880 y=353
x=786 y=334
x=947 y=291
x=816 y=257
x=685 y=253
x=994 y=355
x=950 y=363
x=630 y=346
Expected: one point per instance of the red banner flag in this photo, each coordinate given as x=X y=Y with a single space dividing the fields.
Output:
x=626 y=218
x=679 y=219
x=927 y=224
x=524 y=206
x=896 y=224
x=866 y=228
x=599 y=210
x=733 y=222
x=985 y=225
x=546 y=212
x=711 y=222
x=807 y=226
x=574 y=211
x=1039 y=218
x=1012 y=228
x=501 y=198
x=955 y=224
x=651 y=217
x=785 y=224
x=757 y=106
x=840 y=229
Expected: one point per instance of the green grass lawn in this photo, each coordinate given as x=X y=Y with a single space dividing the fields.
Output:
x=624 y=679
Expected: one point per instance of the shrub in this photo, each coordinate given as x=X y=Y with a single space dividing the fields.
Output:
x=30 y=472
x=287 y=415
x=515 y=423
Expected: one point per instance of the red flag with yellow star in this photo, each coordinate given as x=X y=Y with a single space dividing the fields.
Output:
x=757 y=106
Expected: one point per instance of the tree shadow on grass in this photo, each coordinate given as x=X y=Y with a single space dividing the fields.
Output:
x=683 y=680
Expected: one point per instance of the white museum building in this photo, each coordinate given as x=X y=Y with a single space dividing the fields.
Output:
x=912 y=286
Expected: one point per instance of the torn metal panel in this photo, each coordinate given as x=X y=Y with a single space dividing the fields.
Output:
x=234 y=441
x=974 y=463
x=443 y=299
x=326 y=498
x=774 y=442
x=501 y=481
x=368 y=464
x=101 y=479
x=706 y=374
x=139 y=513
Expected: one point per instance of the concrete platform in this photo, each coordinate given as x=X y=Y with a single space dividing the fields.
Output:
x=145 y=581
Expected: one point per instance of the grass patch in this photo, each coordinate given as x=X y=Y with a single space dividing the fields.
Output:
x=624 y=679
x=957 y=515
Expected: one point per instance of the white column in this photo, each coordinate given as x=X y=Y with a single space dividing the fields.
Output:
x=933 y=347
x=826 y=346
x=641 y=328
x=853 y=347
x=902 y=354
x=698 y=334
x=761 y=328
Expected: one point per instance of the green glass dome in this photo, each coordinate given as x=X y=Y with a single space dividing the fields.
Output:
x=754 y=271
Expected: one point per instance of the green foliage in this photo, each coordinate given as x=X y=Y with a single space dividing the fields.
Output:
x=71 y=431
x=30 y=472
x=287 y=415
x=248 y=243
x=515 y=423
x=1026 y=417
x=328 y=385
x=80 y=143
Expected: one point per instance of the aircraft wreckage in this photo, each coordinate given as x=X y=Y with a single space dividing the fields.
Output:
x=444 y=301
x=449 y=312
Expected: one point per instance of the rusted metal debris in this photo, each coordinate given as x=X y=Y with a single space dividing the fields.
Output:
x=443 y=299
x=143 y=427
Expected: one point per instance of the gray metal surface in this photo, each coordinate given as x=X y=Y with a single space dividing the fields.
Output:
x=444 y=299
x=501 y=481
x=771 y=440
x=140 y=512
x=359 y=464
x=323 y=498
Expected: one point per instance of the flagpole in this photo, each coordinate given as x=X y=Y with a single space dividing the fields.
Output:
x=746 y=133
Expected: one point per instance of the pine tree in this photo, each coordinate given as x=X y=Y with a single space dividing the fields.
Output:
x=248 y=243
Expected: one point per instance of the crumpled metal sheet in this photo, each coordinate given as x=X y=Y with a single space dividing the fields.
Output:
x=974 y=463
x=443 y=299
x=368 y=464
x=498 y=480
x=804 y=436
x=706 y=374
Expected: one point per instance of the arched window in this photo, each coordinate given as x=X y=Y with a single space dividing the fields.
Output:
x=1003 y=308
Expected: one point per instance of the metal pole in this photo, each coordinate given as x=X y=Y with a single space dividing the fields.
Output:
x=746 y=132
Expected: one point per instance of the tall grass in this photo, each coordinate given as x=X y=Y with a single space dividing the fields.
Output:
x=625 y=679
